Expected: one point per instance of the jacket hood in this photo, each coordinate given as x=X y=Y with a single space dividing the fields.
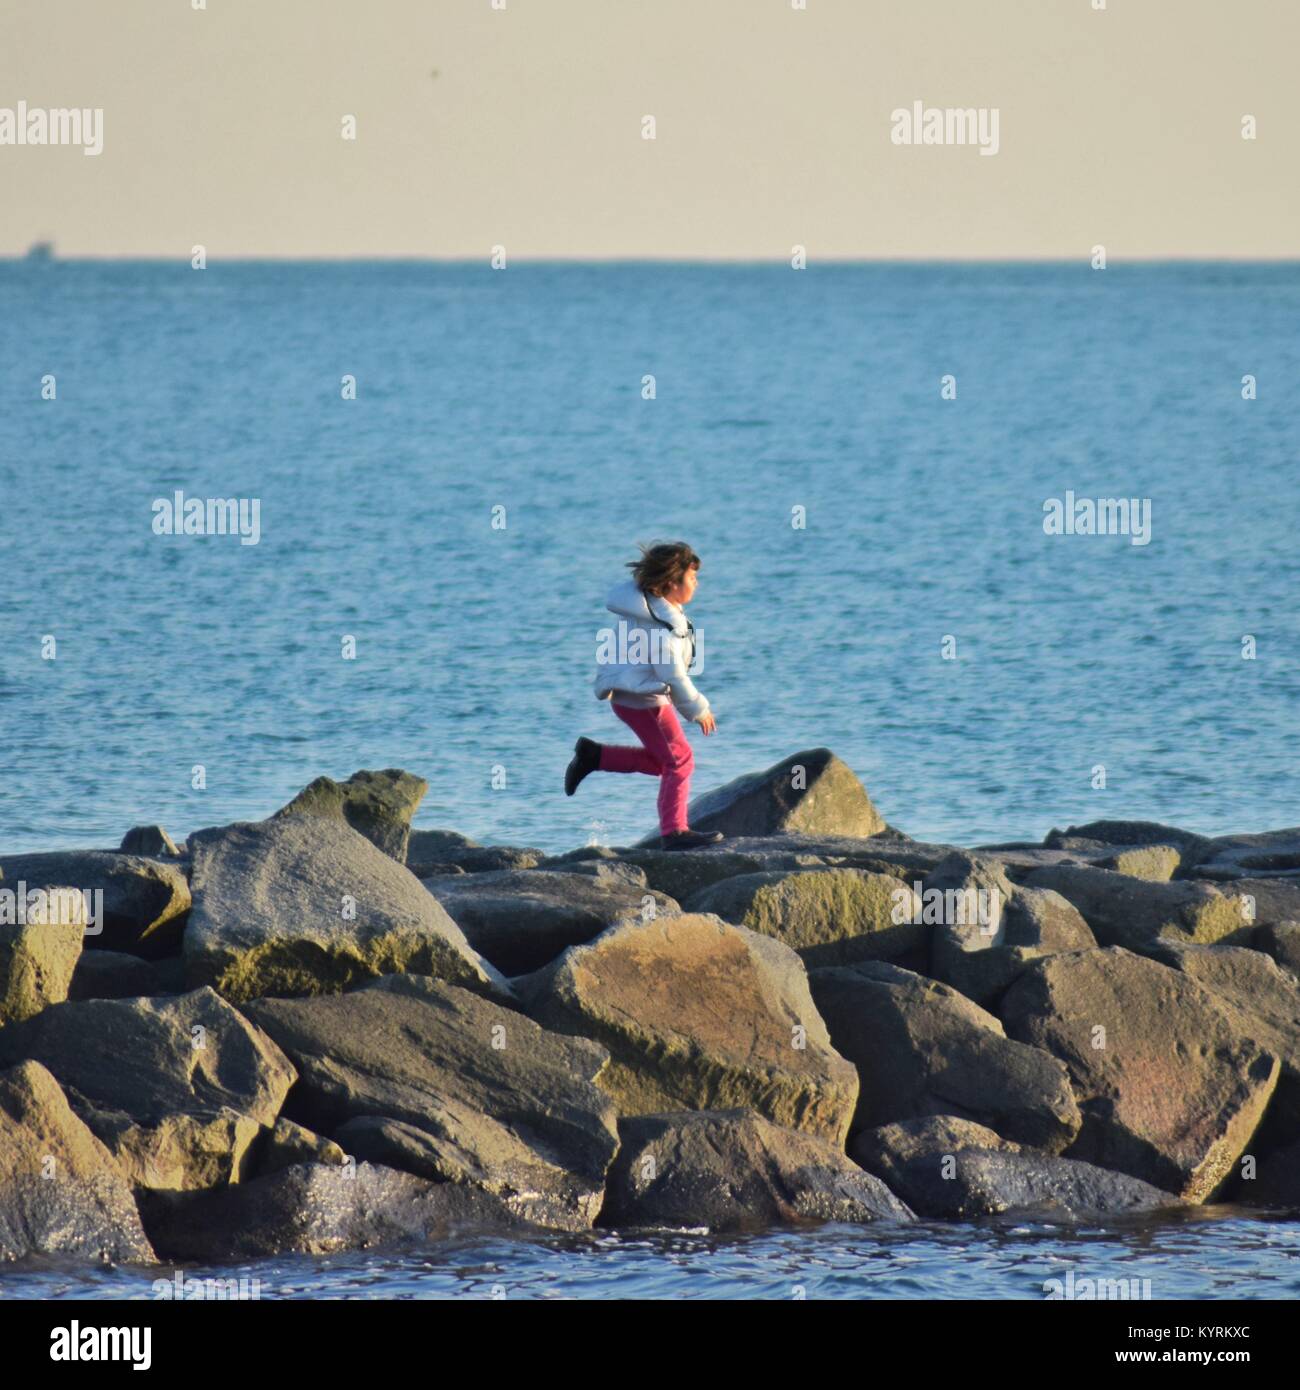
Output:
x=627 y=600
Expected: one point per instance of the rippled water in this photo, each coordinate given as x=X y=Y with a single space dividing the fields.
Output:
x=522 y=388
x=1201 y=1255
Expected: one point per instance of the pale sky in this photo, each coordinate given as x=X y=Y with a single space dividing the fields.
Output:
x=1119 y=127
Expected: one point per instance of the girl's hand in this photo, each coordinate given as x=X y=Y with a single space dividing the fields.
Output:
x=707 y=722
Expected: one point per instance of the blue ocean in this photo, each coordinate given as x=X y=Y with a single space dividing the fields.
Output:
x=452 y=465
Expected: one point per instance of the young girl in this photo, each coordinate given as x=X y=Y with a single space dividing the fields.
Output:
x=645 y=678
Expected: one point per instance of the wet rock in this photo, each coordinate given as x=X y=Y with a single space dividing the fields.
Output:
x=979 y=1182
x=520 y=920
x=500 y=1103
x=1170 y=1090
x=699 y=1015
x=178 y=1089
x=921 y=1048
x=316 y=1209
x=61 y=1193
x=289 y=1144
x=829 y=916
x=733 y=1170
x=305 y=905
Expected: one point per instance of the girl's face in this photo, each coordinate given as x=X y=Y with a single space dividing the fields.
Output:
x=685 y=591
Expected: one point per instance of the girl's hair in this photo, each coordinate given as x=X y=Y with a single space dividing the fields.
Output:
x=663 y=566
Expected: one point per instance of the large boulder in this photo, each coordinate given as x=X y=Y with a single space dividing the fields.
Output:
x=1261 y=1002
x=177 y=1088
x=812 y=792
x=289 y=1144
x=520 y=920
x=1282 y=941
x=39 y=954
x=1269 y=901
x=378 y=805
x=1131 y=834
x=305 y=905
x=61 y=1193
x=316 y=1209
x=144 y=900
x=1276 y=1181
x=152 y=841
x=731 y=1170
x=1131 y=912
x=829 y=916
x=921 y=1048
x=1171 y=1091
x=470 y=1092
x=699 y=1015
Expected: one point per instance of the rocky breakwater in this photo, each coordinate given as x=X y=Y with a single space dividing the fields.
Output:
x=328 y=1030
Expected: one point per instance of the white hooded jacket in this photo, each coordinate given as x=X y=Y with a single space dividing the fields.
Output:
x=649 y=651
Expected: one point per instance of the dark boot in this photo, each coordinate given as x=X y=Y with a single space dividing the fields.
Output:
x=586 y=759
x=691 y=839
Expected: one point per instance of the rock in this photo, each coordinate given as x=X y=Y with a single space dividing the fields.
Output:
x=1130 y=912
x=120 y=975
x=519 y=920
x=1269 y=900
x=151 y=841
x=964 y=898
x=1246 y=856
x=699 y=1015
x=446 y=851
x=682 y=875
x=1276 y=1182
x=1133 y=832
x=177 y=1088
x=378 y=805
x=1170 y=1091
x=829 y=916
x=886 y=1149
x=607 y=870
x=1155 y=863
x=980 y=1182
x=1034 y=922
x=921 y=1048
x=289 y=1144
x=1261 y=1002
x=811 y=792
x=144 y=900
x=502 y=1104
x=38 y=956
x=1282 y=941
x=269 y=903
x=732 y=1170
x=315 y=1209
x=61 y=1193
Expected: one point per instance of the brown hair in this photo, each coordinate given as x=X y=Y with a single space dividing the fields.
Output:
x=663 y=566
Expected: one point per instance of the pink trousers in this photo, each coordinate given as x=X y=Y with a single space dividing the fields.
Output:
x=665 y=754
